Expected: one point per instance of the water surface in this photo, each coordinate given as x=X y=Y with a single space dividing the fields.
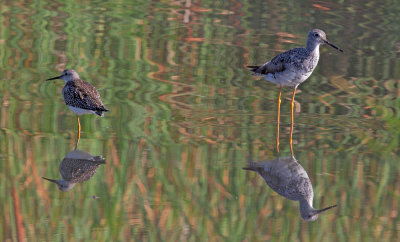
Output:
x=186 y=115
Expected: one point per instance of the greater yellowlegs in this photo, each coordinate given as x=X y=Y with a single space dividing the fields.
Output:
x=293 y=67
x=289 y=179
x=80 y=96
x=78 y=166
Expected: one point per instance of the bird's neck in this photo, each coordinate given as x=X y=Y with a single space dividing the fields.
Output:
x=305 y=205
x=313 y=46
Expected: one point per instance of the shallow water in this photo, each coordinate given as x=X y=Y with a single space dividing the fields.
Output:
x=186 y=115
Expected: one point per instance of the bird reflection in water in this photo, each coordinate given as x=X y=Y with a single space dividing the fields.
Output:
x=289 y=179
x=78 y=166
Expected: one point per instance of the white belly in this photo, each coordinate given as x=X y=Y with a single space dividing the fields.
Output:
x=80 y=111
x=289 y=77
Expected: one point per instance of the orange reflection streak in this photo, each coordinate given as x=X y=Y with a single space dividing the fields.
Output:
x=163 y=217
x=219 y=187
x=143 y=191
x=31 y=168
x=286 y=38
x=199 y=10
x=285 y=35
x=109 y=173
x=193 y=39
x=41 y=191
x=21 y=233
x=114 y=153
x=321 y=7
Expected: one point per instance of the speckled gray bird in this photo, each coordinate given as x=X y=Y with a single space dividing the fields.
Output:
x=289 y=179
x=80 y=96
x=78 y=166
x=293 y=67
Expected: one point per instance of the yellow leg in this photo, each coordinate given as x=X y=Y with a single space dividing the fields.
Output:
x=292 y=121
x=278 y=119
x=79 y=133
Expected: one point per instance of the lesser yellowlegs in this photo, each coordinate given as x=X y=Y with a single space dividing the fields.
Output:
x=78 y=166
x=80 y=96
x=289 y=179
x=293 y=67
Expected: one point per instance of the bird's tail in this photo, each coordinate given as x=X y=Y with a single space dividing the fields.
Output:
x=100 y=111
x=253 y=68
x=99 y=160
x=251 y=166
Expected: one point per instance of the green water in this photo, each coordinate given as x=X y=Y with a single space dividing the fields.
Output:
x=185 y=116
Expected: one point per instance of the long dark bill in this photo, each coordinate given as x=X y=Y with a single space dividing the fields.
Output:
x=53 y=78
x=334 y=46
x=324 y=209
x=50 y=179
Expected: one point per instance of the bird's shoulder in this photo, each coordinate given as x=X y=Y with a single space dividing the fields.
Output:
x=290 y=56
x=81 y=86
x=281 y=62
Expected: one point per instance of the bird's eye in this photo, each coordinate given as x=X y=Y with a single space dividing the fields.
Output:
x=316 y=35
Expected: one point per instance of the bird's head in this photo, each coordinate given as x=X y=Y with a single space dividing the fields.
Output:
x=312 y=214
x=66 y=75
x=318 y=36
x=62 y=184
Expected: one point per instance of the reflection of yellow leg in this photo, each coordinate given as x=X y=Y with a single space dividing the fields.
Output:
x=278 y=119
x=79 y=133
x=292 y=121
x=290 y=142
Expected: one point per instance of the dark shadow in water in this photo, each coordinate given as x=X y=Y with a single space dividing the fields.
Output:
x=289 y=179
x=78 y=166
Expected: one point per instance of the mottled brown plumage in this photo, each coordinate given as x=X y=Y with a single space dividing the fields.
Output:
x=80 y=94
x=78 y=166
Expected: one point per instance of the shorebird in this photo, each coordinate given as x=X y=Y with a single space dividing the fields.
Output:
x=80 y=96
x=289 y=179
x=77 y=166
x=293 y=67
